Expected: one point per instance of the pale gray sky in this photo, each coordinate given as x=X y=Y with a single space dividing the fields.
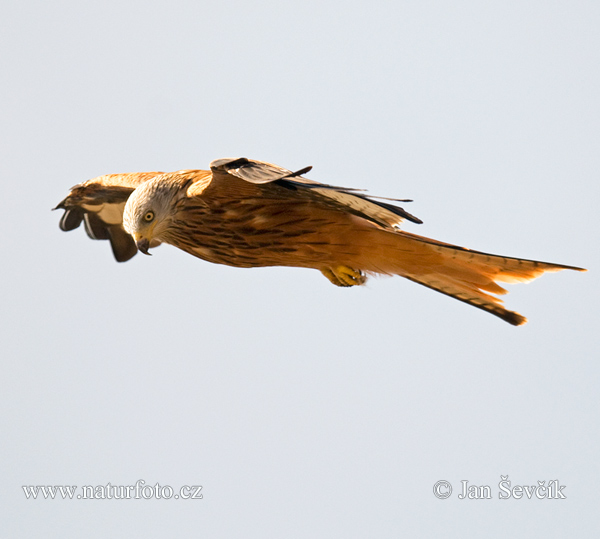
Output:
x=303 y=410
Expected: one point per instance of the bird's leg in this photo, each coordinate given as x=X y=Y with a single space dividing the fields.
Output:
x=344 y=276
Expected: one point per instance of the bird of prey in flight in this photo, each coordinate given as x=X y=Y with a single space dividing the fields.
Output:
x=248 y=213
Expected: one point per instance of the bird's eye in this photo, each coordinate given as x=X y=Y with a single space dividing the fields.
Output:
x=149 y=216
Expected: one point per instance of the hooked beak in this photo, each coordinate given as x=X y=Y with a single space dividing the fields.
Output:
x=143 y=245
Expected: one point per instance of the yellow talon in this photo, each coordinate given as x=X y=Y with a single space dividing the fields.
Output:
x=344 y=276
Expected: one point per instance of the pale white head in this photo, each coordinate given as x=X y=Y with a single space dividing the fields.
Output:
x=149 y=211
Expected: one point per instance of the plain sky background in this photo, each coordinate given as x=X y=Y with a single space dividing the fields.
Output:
x=304 y=410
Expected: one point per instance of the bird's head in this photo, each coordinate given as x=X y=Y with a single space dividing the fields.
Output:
x=149 y=211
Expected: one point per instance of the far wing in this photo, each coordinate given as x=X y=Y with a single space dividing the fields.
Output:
x=99 y=204
x=352 y=200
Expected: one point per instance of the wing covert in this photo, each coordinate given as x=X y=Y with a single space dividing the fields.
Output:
x=352 y=200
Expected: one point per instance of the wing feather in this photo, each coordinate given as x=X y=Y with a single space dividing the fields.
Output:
x=258 y=172
x=99 y=204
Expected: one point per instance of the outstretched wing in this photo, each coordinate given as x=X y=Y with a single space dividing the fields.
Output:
x=99 y=203
x=349 y=200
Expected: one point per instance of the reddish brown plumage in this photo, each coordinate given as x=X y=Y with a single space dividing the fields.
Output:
x=248 y=214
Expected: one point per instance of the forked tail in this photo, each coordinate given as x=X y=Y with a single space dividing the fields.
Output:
x=469 y=276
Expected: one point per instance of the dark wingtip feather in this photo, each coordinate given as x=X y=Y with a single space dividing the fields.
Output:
x=95 y=227
x=400 y=212
x=297 y=173
x=123 y=246
x=71 y=219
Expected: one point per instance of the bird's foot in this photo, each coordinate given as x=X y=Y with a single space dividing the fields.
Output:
x=344 y=276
